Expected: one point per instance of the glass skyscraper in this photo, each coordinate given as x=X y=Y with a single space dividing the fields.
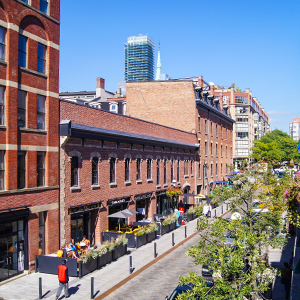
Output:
x=139 y=58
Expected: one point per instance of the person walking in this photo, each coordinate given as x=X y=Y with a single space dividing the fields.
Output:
x=63 y=278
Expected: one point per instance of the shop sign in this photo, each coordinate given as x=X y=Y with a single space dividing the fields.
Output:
x=160 y=193
x=143 y=196
x=118 y=201
x=85 y=207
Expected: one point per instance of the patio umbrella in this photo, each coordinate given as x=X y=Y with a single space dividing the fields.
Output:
x=123 y=214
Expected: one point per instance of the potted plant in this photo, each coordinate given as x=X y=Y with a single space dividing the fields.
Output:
x=140 y=237
x=151 y=230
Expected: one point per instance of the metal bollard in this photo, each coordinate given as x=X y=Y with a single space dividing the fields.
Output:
x=130 y=264
x=35 y=263
x=92 y=287
x=173 y=243
x=222 y=209
x=185 y=235
x=40 y=288
x=155 y=254
x=80 y=269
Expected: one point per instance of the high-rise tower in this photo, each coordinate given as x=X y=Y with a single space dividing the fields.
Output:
x=139 y=58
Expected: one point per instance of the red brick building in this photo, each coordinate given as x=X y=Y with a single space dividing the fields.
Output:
x=186 y=104
x=110 y=162
x=29 y=137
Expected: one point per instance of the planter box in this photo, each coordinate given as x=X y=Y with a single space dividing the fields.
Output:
x=49 y=265
x=88 y=267
x=140 y=240
x=172 y=226
x=164 y=229
x=105 y=259
x=190 y=217
x=131 y=240
x=119 y=251
x=151 y=236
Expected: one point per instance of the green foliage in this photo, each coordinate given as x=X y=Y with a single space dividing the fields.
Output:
x=225 y=243
x=276 y=146
x=170 y=219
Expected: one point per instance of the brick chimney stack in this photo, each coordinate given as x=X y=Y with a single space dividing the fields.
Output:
x=200 y=81
x=100 y=87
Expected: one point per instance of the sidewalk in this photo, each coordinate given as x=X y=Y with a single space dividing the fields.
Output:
x=26 y=288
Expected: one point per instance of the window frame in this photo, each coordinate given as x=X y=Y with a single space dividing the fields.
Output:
x=2 y=169
x=40 y=113
x=127 y=169
x=3 y=43
x=47 y=6
x=42 y=59
x=2 y=105
x=149 y=171
x=158 y=172
x=138 y=169
x=112 y=170
x=40 y=169
x=165 y=171
x=21 y=109
x=178 y=170
x=22 y=52
x=22 y=171
x=172 y=170
x=199 y=124
x=95 y=170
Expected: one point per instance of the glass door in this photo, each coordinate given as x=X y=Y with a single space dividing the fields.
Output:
x=8 y=257
x=3 y=258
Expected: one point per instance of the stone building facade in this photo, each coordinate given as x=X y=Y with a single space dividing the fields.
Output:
x=29 y=138
x=110 y=162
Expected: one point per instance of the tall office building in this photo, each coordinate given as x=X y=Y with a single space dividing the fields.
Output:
x=294 y=129
x=139 y=58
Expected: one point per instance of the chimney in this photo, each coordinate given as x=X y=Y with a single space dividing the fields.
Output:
x=100 y=87
x=200 y=81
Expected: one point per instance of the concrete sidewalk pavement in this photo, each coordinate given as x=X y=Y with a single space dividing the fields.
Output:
x=27 y=287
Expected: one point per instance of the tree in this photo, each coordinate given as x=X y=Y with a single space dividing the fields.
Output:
x=225 y=244
x=276 y=146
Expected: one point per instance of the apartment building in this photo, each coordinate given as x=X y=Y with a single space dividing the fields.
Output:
x=29 y=138
x=294 y=129
x=188 y=104
x=251 y=121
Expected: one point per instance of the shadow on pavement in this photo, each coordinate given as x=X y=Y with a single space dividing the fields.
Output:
x=73 y=290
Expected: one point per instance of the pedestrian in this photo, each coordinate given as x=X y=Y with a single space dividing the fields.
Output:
x=291 y=261
x=63 y=279
x=286 y=279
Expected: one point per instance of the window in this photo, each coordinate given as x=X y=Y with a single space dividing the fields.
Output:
x=149 y=175
x=165 y=171
x=205 y=126
x=240 y=99
x=178 y=170
x=199 y=170
x=22 y=51
x=221 y=169
x=199 y=127
x=22 y=108
x=2 y=42
x=211 y=170
x=242 y=152
x=216 y=130
x=205 y=171
x=211 y=128
x=221 y=132
x=172 y=170
x=42 y=239
x=186 y=168
x=211 y=149
x=205 y=148
x=74 y=171
x=113 y=108
x=158 y=172
x=191 y=168
x=242 y=143
x=226 y=134
x=41 y=64
x=40 y=164
x=241 y=109
x=138 y=169
x=216 y=169
x=216 y=150
x=95 y=162
x=2 y=103
x=21 y=169
x=26 y=1
x=44 y=6
x=242 y=135
x=41 y=100
x=112 y=170
x=242 y=119
x=127 y=161
x=2 y=169
x=221 y=150
x=231 y=152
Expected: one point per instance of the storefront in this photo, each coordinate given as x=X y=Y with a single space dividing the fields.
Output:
x=13 y=242
x=81 y=216
x=142 y=205
x=163 y=203
x=115 y=205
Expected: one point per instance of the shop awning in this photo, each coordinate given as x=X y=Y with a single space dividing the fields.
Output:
x=220 y=181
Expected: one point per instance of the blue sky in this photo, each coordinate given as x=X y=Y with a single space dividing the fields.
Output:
x=255 y=44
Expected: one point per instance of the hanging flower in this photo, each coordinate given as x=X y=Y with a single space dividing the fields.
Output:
x=172 y=192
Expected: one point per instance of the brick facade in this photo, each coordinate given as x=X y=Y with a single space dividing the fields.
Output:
x=183 y=104
x=85 y=147
x=35 y=72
